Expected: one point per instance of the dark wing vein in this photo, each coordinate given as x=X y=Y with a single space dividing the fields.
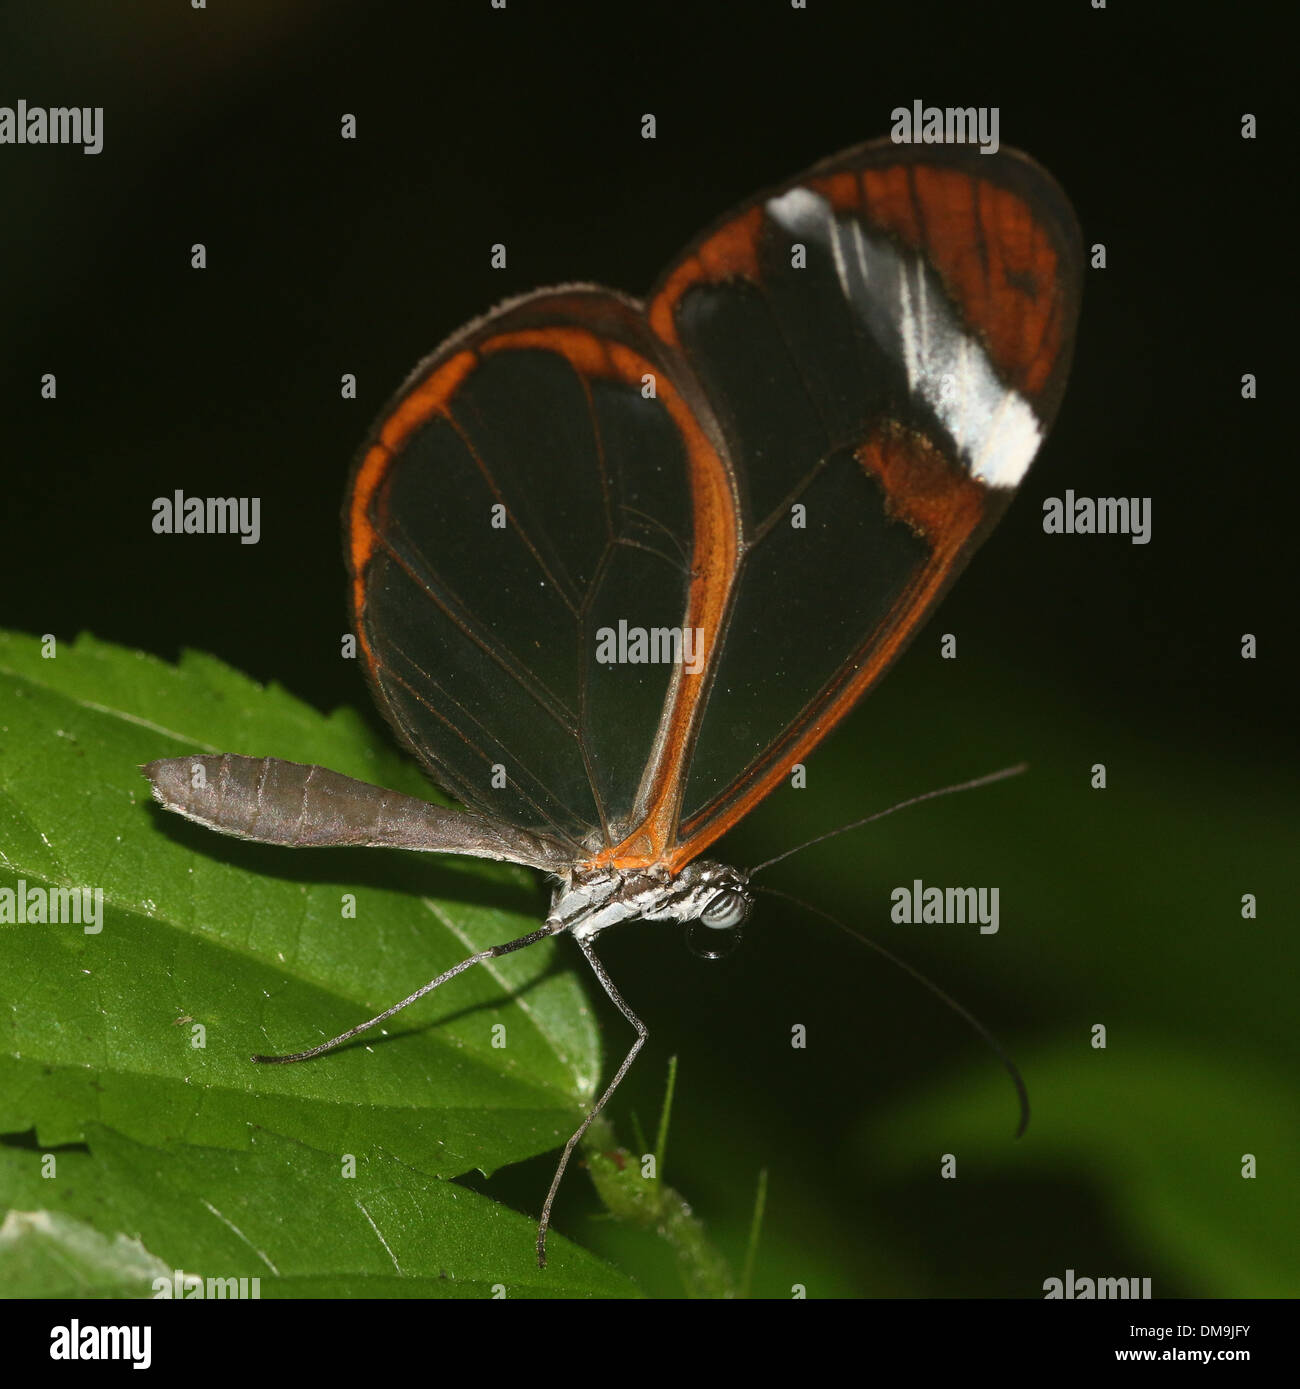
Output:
x=568 y=599
x=441 y=712
x=456 y=611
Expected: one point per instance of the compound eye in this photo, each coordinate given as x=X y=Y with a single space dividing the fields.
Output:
x=725 y=910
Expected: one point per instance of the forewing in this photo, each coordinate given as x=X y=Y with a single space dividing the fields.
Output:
x=540 y=488
x=883 y=344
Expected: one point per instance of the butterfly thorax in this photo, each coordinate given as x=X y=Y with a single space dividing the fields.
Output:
x=586 y=901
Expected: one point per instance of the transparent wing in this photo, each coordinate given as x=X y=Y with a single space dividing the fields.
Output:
x=883 y=344
x=535 y=516
x=778 y=465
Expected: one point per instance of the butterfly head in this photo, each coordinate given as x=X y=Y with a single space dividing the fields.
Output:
x=721 y=905
x=713 y=896
x=721 y=900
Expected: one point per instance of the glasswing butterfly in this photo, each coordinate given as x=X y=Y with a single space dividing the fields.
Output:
x=617 y=567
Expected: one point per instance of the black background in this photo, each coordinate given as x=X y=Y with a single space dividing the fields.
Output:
x=523 y=126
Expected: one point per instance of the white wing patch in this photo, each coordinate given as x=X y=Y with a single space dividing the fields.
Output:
x=900 y=301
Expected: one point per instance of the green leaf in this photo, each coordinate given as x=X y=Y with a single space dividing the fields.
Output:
x=110 y=1221
x=249 y=943
x=45 y=1253
x=1173 y=1170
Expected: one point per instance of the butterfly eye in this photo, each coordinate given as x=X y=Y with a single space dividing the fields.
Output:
x=725 y=910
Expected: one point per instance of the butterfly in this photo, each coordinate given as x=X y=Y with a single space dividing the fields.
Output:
x=617 y=567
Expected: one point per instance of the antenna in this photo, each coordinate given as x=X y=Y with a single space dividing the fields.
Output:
x=980 y=1030
x=902 y=805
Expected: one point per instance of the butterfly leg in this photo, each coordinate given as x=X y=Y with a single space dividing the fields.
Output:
x=641 y=1034
x=493 y=952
